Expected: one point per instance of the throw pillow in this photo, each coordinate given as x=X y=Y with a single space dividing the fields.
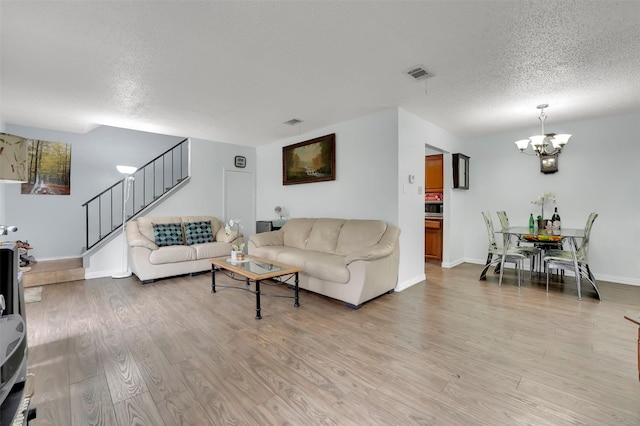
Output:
x=198 y=232
x=167 y=234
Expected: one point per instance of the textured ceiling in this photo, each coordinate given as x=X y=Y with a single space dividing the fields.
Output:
x=235 y=71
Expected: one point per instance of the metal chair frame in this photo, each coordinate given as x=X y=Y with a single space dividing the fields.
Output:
x=564 y=259
x=495 y=253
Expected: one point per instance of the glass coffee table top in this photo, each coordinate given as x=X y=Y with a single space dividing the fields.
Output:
x=255 y=268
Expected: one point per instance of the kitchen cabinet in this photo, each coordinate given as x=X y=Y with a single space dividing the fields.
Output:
x=433 y=239
x=433 y=180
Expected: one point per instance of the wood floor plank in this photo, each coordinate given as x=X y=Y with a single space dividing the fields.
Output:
x=162 y=378
x=84 y=357
x=211 y=394
x=591 y=412
x=310 y=402
x=139 y=410
x=120 y=368
x=276 y=411
x=183 y=409
x=451 y=350
x=91 y=403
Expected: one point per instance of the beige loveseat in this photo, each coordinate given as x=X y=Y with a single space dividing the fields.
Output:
x=349 y=260
x=173 y=245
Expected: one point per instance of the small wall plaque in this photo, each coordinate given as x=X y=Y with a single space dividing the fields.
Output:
x=240 y=161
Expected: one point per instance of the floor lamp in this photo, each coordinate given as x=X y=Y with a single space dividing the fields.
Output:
x=128 y=171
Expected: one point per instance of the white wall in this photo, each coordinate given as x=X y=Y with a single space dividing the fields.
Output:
x=598 y=172
x=55 y=224
x=204 y=195
x=414 y=134
x=366 y=174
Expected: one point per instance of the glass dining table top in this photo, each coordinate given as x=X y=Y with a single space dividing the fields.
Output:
x=537 y=234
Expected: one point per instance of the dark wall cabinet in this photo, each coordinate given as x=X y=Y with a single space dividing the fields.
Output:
x=460 y=171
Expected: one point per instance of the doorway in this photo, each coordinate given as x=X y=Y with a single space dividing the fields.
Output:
x=434 y=205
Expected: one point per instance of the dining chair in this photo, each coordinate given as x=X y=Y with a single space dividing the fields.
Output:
x=494 y=256
x=531 y=251
x=563 y=259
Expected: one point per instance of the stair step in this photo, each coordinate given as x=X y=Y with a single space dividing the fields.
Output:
x=53 y=272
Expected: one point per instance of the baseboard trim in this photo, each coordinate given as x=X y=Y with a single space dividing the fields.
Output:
x=411 y=282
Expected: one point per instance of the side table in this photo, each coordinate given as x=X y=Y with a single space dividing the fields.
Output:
x=636 y=320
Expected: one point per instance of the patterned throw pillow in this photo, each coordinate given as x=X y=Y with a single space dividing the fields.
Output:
x=167 y=234
x=198 y=232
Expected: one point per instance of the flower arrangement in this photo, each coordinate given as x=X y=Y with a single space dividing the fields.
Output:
x=236 y=249
x=542 y=199
x=228 y=227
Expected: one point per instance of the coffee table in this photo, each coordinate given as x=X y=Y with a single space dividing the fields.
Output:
x=254 y=269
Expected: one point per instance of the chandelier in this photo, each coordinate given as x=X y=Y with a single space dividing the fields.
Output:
x=544 y=144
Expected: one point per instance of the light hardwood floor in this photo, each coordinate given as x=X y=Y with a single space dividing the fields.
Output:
x=451 y=351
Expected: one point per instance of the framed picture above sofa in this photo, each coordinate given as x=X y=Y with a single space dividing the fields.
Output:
x=309 y=161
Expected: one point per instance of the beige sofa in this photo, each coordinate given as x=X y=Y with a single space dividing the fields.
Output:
x=349 y=260
x=173 y=245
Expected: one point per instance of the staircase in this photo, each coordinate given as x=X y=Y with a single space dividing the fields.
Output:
x=152 y=182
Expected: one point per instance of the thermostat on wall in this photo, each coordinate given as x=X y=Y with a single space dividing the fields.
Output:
x=240 y=161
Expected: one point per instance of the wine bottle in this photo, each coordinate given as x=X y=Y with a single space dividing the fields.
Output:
x=555 y=219
x=531 y=222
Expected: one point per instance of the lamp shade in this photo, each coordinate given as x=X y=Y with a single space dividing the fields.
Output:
x=537 y=141
x=126 y=170
x=560 y=140
x=13 y=158
x=522 y=144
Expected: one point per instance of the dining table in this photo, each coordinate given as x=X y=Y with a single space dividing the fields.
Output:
x=545 y=237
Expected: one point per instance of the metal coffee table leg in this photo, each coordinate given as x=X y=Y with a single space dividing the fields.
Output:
x=297 y=301
x=258 y=316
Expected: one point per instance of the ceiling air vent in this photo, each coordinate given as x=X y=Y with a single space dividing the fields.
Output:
x=419 y=73
x=293 y=122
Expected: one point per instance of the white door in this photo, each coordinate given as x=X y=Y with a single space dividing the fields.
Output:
x=239 y=200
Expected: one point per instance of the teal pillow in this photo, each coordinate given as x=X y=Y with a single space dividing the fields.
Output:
x=167 y=234
x=198 y=232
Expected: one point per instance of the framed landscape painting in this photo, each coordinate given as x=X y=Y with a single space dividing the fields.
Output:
x=310 y=161
x=48 y=168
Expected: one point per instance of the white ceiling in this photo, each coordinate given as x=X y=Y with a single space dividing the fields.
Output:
x=235 y=71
